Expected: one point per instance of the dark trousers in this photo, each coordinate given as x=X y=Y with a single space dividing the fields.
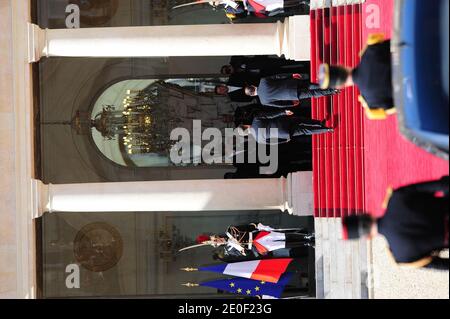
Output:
x=294 y=240
x=313 y=90
x=304 y=126
x=297 y=240
x=296 y=7
x=295 y=3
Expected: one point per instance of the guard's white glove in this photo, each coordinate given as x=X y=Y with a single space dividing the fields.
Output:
x=264 y=228
x=230 y=3
x=232 y=242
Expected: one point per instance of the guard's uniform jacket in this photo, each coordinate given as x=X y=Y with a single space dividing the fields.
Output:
x=264 y=8
x=264 y=240
x=237 y=12
x=373 y=76
x=264 y=66
x=257 y=8
x=416 y=224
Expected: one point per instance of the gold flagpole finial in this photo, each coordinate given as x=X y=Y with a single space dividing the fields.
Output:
x=189 y=269
x=190 y=285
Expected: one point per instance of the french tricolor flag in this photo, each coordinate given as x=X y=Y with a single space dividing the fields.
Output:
x=269 y=270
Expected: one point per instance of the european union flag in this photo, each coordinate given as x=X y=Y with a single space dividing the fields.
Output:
x=250 y=287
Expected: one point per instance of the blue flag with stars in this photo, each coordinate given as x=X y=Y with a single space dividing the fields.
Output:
x=250 y=287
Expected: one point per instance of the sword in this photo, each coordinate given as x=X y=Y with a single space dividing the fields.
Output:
x=190 y=4
x=230 y=3
x=195 y=246
x=206 y=243
x=288 y=229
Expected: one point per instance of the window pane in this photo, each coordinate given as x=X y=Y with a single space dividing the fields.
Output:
x=132 y=121
x=136 y=254
x=57 y=14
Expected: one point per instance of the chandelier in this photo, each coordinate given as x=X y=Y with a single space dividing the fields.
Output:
x=141 y=125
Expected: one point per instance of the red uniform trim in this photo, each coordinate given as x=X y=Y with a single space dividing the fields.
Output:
x=259 y=8
x=260 y=248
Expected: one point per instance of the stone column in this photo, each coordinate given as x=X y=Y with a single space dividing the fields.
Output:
x=159 y=196
x=290 y=38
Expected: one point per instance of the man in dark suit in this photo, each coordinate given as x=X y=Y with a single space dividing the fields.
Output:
x=277 y=127
x=415 y=224
x=287 y=163
x=243 y=79
x=286 y=90
x=235 y=93
x=244 y=70
x=292 y=157
x=263 y=65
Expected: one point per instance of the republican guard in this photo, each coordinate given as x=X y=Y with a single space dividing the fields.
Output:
x=415 y=224
x=373 y=76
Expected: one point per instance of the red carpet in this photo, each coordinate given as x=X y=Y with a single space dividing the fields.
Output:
x=338 y=157
x=354 y=166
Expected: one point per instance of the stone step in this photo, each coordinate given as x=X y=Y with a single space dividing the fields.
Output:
x=341 y=266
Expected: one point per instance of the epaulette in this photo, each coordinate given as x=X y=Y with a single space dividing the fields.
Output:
x=415 y=264
x=324 y=76
x=372 y=39
x=418 y=263
x=372 y=114
x=376 y=113
x=375 y=38
x=389 y=193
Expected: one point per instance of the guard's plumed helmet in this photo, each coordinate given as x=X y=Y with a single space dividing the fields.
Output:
x=331 y=76
x=202 y=238
x=355 y=226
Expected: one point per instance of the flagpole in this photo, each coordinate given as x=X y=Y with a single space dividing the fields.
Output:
x=187 y=269
x=189 y=284
x=298 y=297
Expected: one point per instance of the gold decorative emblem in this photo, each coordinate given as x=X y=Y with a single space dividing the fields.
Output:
x=98 y=247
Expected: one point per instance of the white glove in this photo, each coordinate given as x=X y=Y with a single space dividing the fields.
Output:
x=264 y=228
x=230 y=3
